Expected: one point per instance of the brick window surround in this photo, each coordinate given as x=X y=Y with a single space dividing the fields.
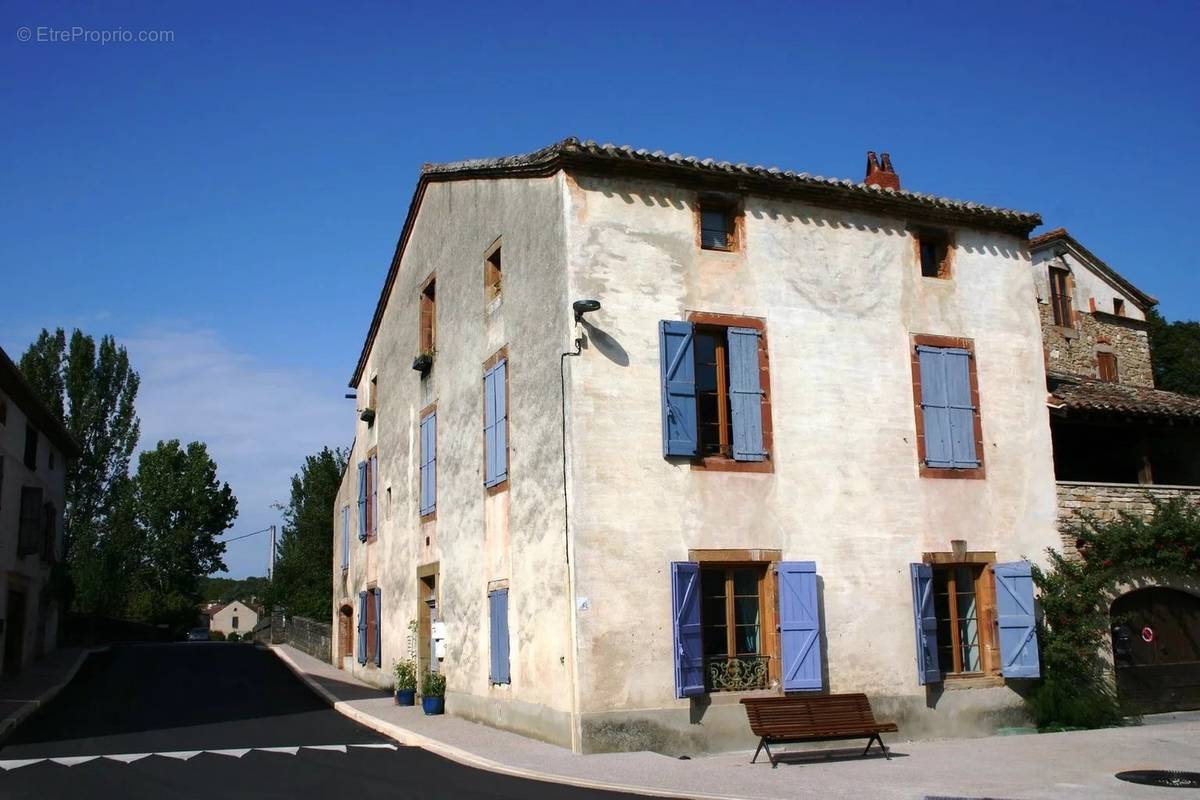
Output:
x=946 y=341
x=717 y=463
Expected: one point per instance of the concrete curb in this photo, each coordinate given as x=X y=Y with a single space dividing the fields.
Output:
x=11 y=722
x=406 y=737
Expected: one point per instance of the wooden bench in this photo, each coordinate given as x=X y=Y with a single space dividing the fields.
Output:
x=789 y=719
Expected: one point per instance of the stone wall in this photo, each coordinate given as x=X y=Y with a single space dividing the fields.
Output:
x=1073 y=350
x=1105 y=501
x=314 y=638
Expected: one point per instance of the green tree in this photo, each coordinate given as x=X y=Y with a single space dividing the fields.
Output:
x=303 y=570
x=1176 y=350
x=226 y=590
x=180 y=508
x=92 y=388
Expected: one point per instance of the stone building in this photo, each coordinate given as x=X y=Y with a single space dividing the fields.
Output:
x=236 y=617
x=1120 y=447
x=34 y=448
x=637 y=434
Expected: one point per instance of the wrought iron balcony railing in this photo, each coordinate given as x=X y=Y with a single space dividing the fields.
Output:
x=736 y=674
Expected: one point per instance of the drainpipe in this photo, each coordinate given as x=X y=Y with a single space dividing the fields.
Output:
x=572 y=672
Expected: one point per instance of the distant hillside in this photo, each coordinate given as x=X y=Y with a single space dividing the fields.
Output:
x=226 y=590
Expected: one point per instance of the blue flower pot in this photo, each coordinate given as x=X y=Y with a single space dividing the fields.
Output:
x=433 y=705
x=406 y=697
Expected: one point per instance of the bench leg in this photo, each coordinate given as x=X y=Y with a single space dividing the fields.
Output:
x=770 y=755
x=761 y=742
x=875 y=737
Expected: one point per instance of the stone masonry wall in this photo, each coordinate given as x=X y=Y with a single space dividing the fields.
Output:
x=1073 y=350
x=314 y=638
x=1105 y=501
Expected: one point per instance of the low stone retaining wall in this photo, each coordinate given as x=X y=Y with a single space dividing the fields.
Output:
x=1105 y=501
x=310 y=636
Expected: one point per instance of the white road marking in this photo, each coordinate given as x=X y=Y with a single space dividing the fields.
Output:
x=184 y=755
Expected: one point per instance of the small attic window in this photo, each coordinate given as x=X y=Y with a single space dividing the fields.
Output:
x=718 y=224
x=492 y=274
x=934 y=249
x=1118 y=307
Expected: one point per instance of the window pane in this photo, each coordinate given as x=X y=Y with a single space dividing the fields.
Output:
x=715 y=227
x=715 y=642
x=747 y=639
x=968 y=625
x=745 y=581
x=709 y=394
x=745 y=610
x=941 y=608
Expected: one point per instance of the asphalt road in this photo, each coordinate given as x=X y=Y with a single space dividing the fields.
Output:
x=142 y=721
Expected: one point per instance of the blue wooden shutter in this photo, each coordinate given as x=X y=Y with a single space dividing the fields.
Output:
x=676 y=346
x=345 y=537
x=428 y=464
x=745 y=395
x=925 y=618
x=378 y=628
x=688 y=639
x=1018 y=629
x=362 y=627
x=498 y=613
x=374 y=475
x=362 y=501
x=495 y=424
x=799 y=626
x=961 y=411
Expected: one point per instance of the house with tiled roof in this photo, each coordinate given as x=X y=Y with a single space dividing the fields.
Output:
x=1120 y=446
x=639 y=434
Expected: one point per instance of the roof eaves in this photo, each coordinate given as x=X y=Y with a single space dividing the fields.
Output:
x=15 y=386
x=1050 y=237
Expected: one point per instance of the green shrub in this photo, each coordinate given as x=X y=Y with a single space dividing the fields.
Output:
x=405 y=673
x=433 y=684
x=216 y=636
x=233 y=637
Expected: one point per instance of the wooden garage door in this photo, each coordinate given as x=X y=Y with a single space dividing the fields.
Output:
x=1156 y=649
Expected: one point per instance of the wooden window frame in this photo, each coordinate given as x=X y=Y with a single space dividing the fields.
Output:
x=768 y=597
x=721 y=463
x=493 y=273
x=926 y=471
x=372 y=509
x=1118 y=307
x=734 y=207
x=986 y=619
x=1062 y=303
x=432 y=515
x=1103 y=355
x=427 y=338
x=938 y=238
x=496 y=358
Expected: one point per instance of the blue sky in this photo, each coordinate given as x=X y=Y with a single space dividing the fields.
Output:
x=227 y=203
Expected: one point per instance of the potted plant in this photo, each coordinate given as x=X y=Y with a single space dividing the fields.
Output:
x=405 y=672
x=433 y=693
x=424 y=361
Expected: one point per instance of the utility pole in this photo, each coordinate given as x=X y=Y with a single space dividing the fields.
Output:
x=271 y=561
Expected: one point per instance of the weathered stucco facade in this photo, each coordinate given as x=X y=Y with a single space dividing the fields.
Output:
x=834 y=279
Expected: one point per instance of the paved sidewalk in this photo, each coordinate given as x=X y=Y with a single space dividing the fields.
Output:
x=1057 y=765
x=37 y=685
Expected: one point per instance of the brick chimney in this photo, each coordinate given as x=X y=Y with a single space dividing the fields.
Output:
x=880 y=172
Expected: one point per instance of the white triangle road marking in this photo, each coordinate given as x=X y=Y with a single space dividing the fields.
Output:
x=384 y=746
x=291 y=751
x=129 y=758
x=341 y=748
x=237 y=753
x=182 y=755
x=70 y=761
x=17 y=763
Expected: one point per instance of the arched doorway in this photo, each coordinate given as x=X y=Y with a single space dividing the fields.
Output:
x=345 y=635
x=1156 y=649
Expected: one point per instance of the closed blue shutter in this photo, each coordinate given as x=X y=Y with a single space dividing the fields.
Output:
x=362 y=627
x=498 y=613
x=688 y=638
x=428 y=464
x=378 y=628
x=676 y=347
x=1018 y=628
x=799 y=626
x=345 y=537
x=745 y=395
x=495 y=424
x=362 y=501
x=947 y=410
x=925 y=618
x=374 y=473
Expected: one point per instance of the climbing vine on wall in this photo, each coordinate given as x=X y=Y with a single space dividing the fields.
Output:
x=1076 y=690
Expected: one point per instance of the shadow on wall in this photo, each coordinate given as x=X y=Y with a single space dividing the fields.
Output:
x=607 y=346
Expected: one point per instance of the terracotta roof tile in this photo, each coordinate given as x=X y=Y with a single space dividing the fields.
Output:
x=1089 y=394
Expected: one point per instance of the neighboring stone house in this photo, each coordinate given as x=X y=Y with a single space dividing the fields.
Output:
x=236 y=617
x=637 y=434
x=34 y=449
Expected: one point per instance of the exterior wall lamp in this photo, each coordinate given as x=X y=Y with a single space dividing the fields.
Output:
x=582 y=307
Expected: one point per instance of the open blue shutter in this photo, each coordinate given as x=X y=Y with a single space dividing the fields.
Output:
x=925 y=618
x=362 y=627
x=1018 y=629
x=799 y=626
x=688 y=640
x=378 y=628
x=961 y=411
x=495 y=425
x=362 y=501
x=374 y=472
x=498 y=613
x=345 y=537
x=428 y=464
x=745 y=395
x=934 y=408
x=676 y=346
